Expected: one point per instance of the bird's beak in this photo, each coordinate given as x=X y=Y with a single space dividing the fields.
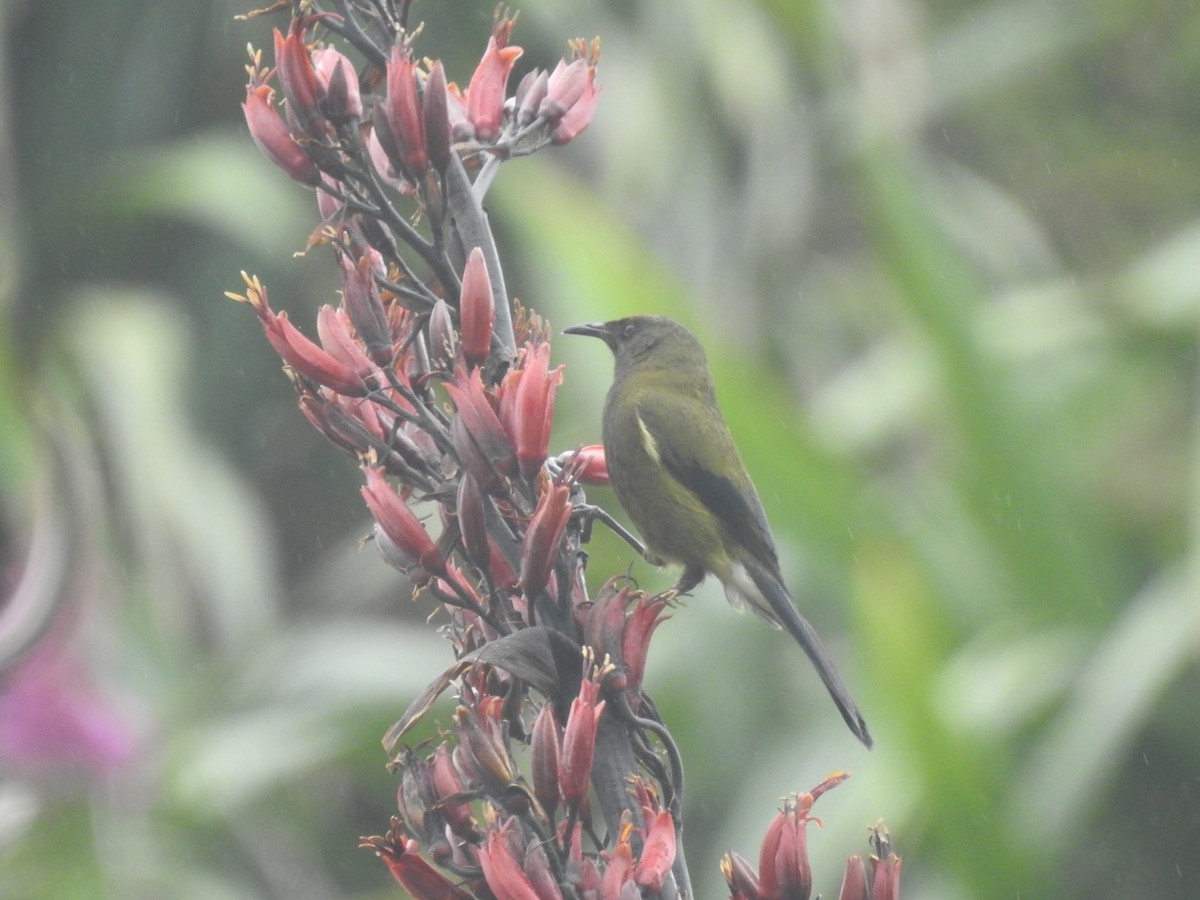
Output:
x=591 y=329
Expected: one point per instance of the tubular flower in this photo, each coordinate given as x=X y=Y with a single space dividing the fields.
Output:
x=273 y=137
x=564 y=87
x=398 y=522
x=360 y=297
x=299 y=81
x=485 y=93
x=333 y=329
x=295 y=349
x=783 y=867
x=545 y=747
x=543 y=537
x=503 y=871
x=527 y=406
x=854 y=883
x=658 y=853
x=483 y=445
x=410 y=869
x=403 y=113
x=579 y=743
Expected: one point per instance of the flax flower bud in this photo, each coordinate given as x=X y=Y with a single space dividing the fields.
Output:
x=273 y=137
x=476 y=310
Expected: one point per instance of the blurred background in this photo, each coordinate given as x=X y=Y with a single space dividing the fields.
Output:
x=945 y=260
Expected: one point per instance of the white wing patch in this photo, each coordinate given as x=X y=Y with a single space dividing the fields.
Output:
x=648 y=441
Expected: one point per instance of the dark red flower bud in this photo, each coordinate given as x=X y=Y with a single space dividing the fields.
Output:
x=298 y=79
x=472 y=521
x=741 y=878
x=476 y=309
x=399 y=523
x=435 y=109
x=360 y=297
x=854 y=883
x=443 y=340
x=447 y=784
x=579 y=743
x=545 y=748
x=480 y=731
x=658 y=853
x=485 y=93
x=338 y=83
x=404 y=114
x=304 y=356
x=530 y=93
x=543 y=538
x=273 y=137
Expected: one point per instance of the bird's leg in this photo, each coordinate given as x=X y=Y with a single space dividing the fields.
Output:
x=690 y=577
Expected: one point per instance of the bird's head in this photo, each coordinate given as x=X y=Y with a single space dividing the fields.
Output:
x=642 y=340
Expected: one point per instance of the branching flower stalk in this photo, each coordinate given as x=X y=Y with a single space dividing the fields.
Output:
x=441 y=387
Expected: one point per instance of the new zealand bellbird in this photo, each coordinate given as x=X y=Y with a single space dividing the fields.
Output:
x=679 y=476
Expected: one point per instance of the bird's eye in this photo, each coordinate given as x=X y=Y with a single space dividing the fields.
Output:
x=628 y=330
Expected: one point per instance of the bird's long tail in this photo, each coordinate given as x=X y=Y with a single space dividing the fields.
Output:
x=780 y=610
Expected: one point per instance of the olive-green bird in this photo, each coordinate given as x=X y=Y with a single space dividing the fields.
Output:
x=677 y=472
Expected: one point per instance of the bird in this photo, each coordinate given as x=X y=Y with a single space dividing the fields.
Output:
x=677 y=472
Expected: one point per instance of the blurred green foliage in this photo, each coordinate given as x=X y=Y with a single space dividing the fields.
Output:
x=943 y=256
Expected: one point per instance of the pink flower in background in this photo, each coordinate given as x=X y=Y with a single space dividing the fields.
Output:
x=54 y=720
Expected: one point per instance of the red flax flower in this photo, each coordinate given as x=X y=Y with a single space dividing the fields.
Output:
x=527 y=406
x=398 y=522
x=485 y=93
x=479 y=438
x=273 y=137
x=543 y=537
x=298 y=79
x=503 y=871
x=579 y=742
x=410 y=869
x=304 y=356
x=658 y=853
x=783 y=868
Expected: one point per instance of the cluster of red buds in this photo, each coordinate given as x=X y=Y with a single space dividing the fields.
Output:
x=474 y=822
x=784 y=872
x=443 y=391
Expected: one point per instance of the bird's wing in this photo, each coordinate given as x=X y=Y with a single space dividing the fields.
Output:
x=698 y=462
